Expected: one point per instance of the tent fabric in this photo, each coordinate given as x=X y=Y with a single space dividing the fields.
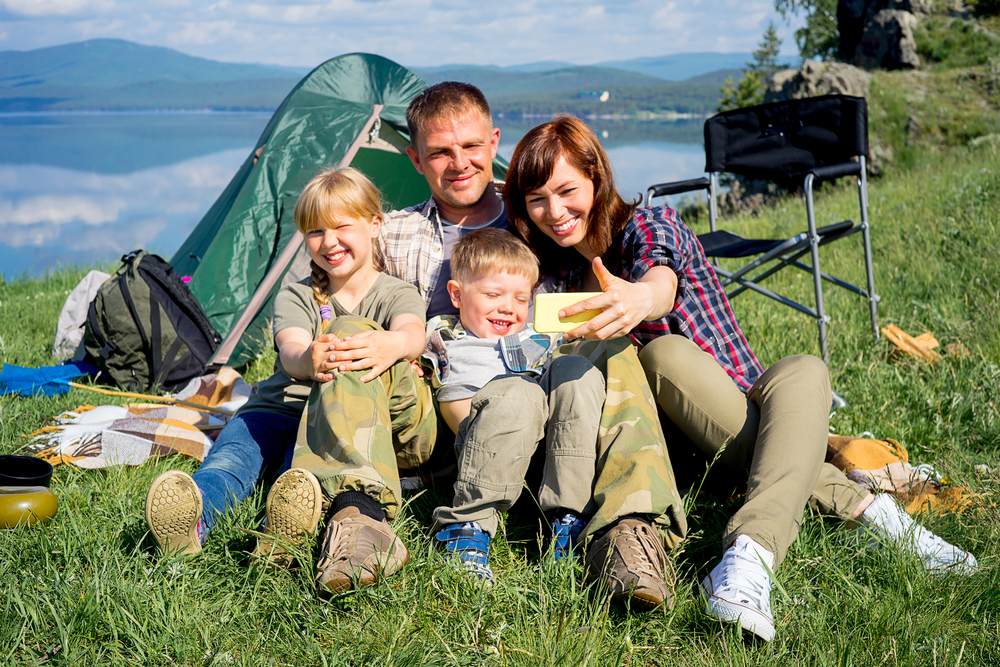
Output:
x=238 y=240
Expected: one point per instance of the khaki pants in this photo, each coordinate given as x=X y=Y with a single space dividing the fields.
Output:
x=510 y=416
x=777 y=432
x=354 y=435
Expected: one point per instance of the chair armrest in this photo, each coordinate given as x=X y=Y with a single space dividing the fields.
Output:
x=676 y=187
x=833 y=171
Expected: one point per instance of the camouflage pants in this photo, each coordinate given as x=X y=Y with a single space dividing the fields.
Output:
x=634 y=475
x=355 y=436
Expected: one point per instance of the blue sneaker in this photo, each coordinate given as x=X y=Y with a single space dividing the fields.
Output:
x=471 y=545
x=566 y=531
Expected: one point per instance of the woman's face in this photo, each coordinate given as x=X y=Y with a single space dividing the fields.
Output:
x=561 y=207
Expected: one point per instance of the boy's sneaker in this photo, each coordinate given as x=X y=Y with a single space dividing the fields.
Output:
x=173 y=511
x=738 y=589
x=888 y=520
x=294 y=507
x=471 y=545
x=358 y=551
x=630 y=557
x=566 y=531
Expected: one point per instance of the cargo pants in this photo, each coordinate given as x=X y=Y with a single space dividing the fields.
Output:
x=508 y=420
x=355 y=436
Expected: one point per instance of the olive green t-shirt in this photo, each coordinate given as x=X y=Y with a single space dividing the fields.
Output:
x=295 y=306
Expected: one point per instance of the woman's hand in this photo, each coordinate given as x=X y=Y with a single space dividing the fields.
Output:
x=377 y=350
x=623 y=305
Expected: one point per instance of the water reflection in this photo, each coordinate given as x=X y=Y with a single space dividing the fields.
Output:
x=82 y=189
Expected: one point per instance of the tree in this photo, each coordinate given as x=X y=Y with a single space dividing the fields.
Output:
x=753 y=83
x=818 y=38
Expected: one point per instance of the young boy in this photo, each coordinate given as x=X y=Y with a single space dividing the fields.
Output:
x=492 y=279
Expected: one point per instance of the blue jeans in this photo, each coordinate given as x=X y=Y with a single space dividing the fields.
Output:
x=250 y=444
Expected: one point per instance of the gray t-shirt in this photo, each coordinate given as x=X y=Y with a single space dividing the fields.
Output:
x=295 y=306
x=440 y=302
x=474 y=361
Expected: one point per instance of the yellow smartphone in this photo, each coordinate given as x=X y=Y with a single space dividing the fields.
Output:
x=547 y=307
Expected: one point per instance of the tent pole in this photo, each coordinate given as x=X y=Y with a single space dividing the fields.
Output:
x=226 y=348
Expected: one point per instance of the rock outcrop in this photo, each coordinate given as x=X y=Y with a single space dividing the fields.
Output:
x=879 y=33
x=817 y=78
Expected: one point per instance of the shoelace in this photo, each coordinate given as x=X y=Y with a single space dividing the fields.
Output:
x=644 y=555
x=744 y=575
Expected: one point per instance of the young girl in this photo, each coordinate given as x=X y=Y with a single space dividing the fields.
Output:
x=343 y=396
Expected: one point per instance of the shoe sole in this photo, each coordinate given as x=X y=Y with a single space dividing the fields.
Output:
x=748 y=619
x=173 y=508
x=294 y=507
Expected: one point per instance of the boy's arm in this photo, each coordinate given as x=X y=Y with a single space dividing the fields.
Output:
x=454 y=412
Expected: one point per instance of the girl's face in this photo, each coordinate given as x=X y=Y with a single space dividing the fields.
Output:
x=561 y=207
x=344 y=248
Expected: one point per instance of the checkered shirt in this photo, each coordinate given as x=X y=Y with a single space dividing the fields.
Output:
x=701 y=312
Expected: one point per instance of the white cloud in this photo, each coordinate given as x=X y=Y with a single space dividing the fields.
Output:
x=43 y=8
x=59 y=210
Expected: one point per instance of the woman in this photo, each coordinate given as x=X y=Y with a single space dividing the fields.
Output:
x=658 y=287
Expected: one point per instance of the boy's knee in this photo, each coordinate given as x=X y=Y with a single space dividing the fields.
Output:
x=511 y=397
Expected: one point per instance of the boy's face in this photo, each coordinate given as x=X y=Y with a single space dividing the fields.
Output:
x=492 y=306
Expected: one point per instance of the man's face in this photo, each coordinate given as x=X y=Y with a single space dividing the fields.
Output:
x=455 y=154
x=492 y=306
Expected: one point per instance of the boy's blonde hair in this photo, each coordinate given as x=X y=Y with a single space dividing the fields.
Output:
x=492 y=250
x=332 y=193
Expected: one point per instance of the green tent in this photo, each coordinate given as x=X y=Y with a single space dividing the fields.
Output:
x=351 y=110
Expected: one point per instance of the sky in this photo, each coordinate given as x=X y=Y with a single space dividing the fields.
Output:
x=303 y=33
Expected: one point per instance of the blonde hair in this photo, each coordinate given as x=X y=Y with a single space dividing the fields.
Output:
x=342 y=191
x=492 y=250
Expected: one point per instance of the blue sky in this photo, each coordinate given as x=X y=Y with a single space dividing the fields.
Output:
x=413 y=32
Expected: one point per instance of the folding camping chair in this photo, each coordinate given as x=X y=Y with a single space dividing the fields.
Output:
x=789 y=142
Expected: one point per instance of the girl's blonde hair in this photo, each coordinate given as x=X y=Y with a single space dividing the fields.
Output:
x=341 y=191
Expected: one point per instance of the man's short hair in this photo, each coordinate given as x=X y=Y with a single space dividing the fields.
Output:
x=445 y=99
x=492 y=250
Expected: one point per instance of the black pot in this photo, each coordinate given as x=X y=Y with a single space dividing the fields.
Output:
x=24 y=471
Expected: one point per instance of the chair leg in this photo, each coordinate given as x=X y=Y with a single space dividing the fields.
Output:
x=873 y=298
x=821 y=318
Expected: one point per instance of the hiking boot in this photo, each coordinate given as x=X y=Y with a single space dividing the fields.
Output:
x=173 y=511
x=889 y=521
x=470 y=544
x=294 y=507
x=357 y=551
x=631 y=558
x=566 y=531
x=738 y=589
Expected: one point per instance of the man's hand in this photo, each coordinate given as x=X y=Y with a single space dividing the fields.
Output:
x=377 y=350
x=623 y=304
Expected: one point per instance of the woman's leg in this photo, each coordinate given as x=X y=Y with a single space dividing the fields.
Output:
x=777 y=433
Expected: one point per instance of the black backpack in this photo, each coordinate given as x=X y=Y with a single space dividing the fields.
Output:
x=145 y=331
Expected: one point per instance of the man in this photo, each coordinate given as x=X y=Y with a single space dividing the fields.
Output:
x=453 y=144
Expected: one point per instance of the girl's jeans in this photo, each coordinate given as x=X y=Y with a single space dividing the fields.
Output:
x=251 y=443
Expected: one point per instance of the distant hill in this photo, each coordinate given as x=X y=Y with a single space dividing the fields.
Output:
x=114 y=74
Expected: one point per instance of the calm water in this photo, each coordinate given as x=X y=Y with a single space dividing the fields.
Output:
x=81 y=189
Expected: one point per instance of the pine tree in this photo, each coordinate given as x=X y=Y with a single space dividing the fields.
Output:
x=753 y=82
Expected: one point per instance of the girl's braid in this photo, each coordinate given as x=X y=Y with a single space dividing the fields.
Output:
x=321 y=290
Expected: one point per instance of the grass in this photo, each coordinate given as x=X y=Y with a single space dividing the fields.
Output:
x=88 y=588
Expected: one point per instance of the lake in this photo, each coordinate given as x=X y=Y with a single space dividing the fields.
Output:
x=84 y=188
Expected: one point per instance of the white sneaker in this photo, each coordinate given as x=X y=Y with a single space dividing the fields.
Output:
x=889 y=521
x=738 y=589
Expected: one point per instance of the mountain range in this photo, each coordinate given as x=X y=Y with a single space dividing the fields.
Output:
x=114 y=74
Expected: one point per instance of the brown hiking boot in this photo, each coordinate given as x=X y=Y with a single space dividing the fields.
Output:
x=357 y=551
x=173 y=508
x=294 y=507
x=631 y=558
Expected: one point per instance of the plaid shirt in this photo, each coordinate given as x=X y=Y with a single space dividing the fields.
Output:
x=701 y=312
x=413 y=247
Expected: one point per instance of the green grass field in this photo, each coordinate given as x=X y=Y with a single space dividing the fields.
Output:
x=88 y=588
